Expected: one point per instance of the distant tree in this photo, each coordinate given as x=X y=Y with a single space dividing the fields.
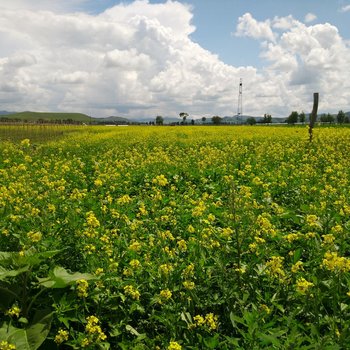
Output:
x=267 y=119
x=216 y=120
x=184 y=116
x=346 y=119
x=251 y=121
x=293 y=118
x=327 y=118
x=192 y=122
x=341 y=117
x=204 y=119
x=159 y=120
x=302 y=117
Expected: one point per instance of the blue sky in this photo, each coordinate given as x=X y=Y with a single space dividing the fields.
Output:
x=143 y=58
x=215 y=22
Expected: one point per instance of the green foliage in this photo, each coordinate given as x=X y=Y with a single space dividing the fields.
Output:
x=293 y=118
x=158 y=238
x=251 y=121
x=327 y=118
x=341 y=117
x=159 y=120
x=267 y=119
x=216 y=120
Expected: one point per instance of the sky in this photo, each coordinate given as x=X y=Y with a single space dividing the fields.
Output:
x=143 y=58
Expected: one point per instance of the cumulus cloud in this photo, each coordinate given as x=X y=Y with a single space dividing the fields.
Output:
x=250 y=27
x=138 y=59
x=133 y=59
x=310 y=17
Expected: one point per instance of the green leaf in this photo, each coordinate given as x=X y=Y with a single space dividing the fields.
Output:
x=269 y=339
x=61 y=278
x=235 y=319
x=29 y=338
x=31 y=257
x=212 y=342
x=297 y=255
x=133 y=331
x=4 y=273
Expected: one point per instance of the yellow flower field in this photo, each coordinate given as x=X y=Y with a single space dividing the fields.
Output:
x=175 y=238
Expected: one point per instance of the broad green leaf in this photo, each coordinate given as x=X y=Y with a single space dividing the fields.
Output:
x=31 y=257
x=4 y=273
x=29 y=338
x=61 y=278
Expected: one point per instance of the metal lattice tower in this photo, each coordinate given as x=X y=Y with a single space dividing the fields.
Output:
x=240 y=103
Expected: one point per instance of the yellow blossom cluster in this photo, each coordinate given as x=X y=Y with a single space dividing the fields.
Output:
x=61 y=336
x=132 y=292
x=4 y=345
x=333 y=262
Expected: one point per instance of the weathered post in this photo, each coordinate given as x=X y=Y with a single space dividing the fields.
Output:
x=313 y=115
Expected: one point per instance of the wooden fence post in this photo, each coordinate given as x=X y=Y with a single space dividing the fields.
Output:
x=313 y=115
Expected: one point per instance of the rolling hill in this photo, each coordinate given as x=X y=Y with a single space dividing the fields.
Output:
x=46 y=116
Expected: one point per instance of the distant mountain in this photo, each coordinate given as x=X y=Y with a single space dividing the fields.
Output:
x=112 y=120
x=47 y=116
x=6 y=112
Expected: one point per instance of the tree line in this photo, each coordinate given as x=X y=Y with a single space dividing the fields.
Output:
x=293 y=118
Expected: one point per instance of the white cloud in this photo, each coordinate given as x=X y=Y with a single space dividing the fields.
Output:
x=139 y=60
x=345 y=8
x=284 y=23
x=250 y=27
x=310 y=17
x=134 y=59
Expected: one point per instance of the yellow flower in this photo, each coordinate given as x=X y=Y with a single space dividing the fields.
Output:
x=166 y=269
x=61 y=336
x=14 y=311
x=274 y=267
x=85 y=342
x=336 y=263
x=302 y=286
x=199 y=320
x=160 y=180
x=135 y=246
x=135 y=264
x=91 y=219
x=189 y=285
x=82 y=287
x=165 y=294
x=98 y=182
x=188 y=270
x=99 y=271
x=191 y=229
x=297 y=266
x=174 y=346
x=312 y=221
x=211 y=321
x=131 y=291
x=292 y=237
x=182 y=245
x=25 y=143
x=124 y=199
x=4 y=345
x=93 y=328
x=265 y=309
x=34 y=236
x=328 y=239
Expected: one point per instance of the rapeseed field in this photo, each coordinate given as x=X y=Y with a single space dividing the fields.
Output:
x=176 y=238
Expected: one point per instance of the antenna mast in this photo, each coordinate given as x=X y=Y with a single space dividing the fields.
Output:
x=240 y=104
